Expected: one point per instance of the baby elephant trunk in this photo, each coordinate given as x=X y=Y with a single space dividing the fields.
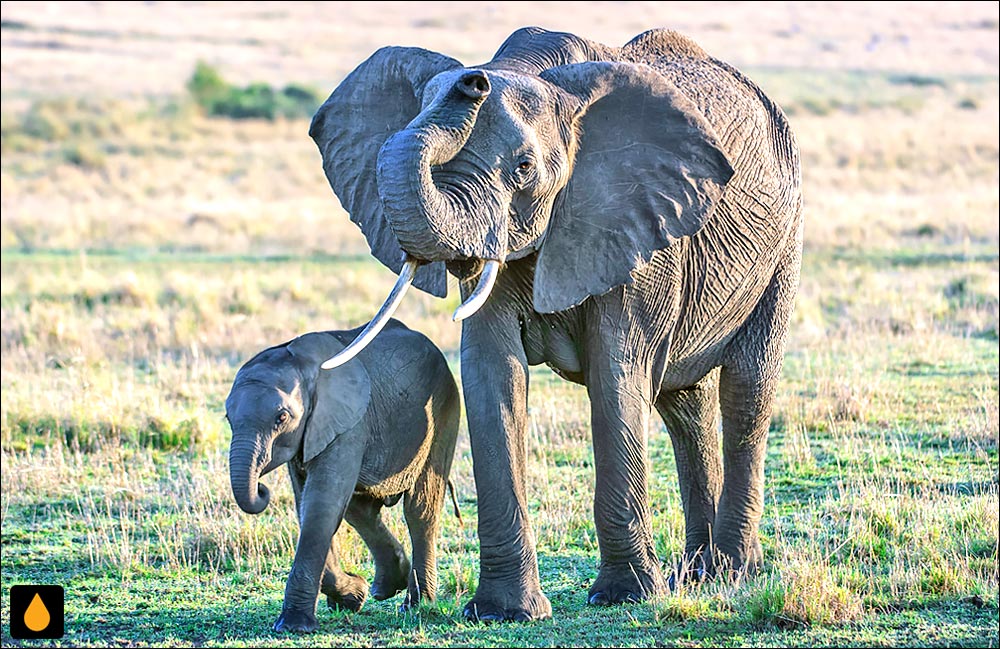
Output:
x=244 y=471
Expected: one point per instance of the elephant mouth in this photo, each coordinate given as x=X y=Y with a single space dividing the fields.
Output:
x=466 y=267
x=490 y=268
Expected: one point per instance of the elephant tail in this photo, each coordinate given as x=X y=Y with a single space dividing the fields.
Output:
x=454 y=503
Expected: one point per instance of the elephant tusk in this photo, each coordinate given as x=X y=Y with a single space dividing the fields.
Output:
x=482 y=292
x=380 y=319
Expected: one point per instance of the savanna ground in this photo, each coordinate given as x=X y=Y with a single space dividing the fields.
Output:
x=149 y=249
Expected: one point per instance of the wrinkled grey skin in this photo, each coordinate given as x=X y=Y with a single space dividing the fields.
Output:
x=381 y=427
x=646 y=202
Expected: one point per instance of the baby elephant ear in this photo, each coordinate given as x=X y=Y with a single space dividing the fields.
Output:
x=377 y=99
x=649 y=170
x=340 y=397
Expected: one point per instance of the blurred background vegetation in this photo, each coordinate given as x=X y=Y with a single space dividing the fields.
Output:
x=219 y=98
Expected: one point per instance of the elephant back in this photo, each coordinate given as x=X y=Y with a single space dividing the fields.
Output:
x=661 y=43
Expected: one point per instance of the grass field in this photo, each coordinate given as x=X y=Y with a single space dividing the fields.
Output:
x=149 y=250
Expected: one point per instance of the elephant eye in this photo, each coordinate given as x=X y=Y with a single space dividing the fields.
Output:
x=281 y=418
x=524 y=173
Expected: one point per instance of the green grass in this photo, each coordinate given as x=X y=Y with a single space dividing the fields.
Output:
x=129 y=300
x=881 y=497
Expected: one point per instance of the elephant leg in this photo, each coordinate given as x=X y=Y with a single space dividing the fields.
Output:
x=747 y=385
x=321 y=498
x=344 y=590
x=391 y=565
x=620 y=399
x=692 y=419
x=422 y=505
x=495 y=384
x=422 y=509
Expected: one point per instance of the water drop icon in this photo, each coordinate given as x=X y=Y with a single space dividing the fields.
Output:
x=37 y=616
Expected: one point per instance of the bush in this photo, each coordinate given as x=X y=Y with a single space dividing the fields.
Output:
x=256 y=101
x=206 y=85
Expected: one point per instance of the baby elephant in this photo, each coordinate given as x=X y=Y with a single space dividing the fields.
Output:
x=363 y=435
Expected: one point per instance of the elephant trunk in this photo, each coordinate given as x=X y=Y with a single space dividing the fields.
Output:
x=431 y=218
x=244 y=471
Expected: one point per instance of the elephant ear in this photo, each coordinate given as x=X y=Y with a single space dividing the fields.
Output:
x=340 y=396
x=377 y=99
x=648 y=171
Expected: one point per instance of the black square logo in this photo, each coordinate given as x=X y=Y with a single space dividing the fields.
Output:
x=36 y=612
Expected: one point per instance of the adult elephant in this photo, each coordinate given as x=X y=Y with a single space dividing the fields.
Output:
x=633 y=216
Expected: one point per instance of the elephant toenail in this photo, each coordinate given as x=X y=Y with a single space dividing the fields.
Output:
x=628 y=597
x=521 y=616
x=599 y=599
x=473 y=614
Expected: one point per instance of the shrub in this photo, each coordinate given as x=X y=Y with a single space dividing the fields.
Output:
x=256 y=101
x=206 y=85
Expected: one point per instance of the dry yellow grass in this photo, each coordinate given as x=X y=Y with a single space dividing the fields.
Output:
x=190 y=183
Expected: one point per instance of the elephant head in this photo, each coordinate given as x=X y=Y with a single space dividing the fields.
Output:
x=558 y=146
x=275 y=416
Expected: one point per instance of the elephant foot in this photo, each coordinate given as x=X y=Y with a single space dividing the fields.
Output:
x=492 y=605
x=413 y=598
x=294 y=621
x=736 y=564
x=348 y=594
x=692 y=570
x=624 y=584
x=418 y=591
x=391 y=579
